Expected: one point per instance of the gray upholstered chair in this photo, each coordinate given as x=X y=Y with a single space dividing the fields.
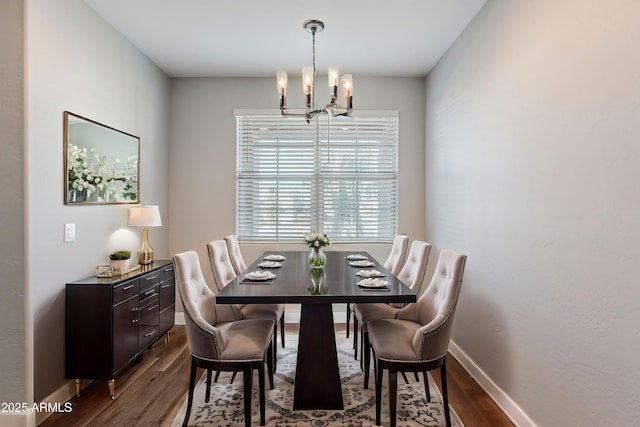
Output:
x=393 y=263
x=417 y=340
x=412 y=275
x=233 y=246
x=223 y=273
x=217 y=341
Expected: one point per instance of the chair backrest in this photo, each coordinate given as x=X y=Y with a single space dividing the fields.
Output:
x=412 y=272
x=200 y=310
x=221 y=266
x=398 y=253
x=233 y=246
x=436 y=307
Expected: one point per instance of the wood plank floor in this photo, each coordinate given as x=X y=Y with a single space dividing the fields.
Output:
x=151 y=392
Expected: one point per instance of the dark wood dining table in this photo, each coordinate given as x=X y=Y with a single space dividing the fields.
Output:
x=317 y=381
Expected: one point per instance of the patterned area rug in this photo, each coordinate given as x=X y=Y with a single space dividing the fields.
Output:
x=225 y=407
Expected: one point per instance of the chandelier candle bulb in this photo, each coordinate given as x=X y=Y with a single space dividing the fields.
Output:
x=282 y=87
x=333 y=83
x=347 y=83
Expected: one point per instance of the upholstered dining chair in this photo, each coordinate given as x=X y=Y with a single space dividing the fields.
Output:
x=217 y=341
x=412 y=275
x=237 y=260
x=223 y=273
x=417 y=340
x=393 y=263
x=233 y=246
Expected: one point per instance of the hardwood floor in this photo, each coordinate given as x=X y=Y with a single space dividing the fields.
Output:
x=151 y=392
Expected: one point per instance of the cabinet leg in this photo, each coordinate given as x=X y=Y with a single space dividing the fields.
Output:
x=77 y=384
x=112 y=388
x=167 y=338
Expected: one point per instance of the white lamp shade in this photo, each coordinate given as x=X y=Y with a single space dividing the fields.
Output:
x=145 y=216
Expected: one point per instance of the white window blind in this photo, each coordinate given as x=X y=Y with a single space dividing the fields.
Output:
x=335 y=175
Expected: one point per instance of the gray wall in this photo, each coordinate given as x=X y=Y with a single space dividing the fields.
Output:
x=203 y=153
x=532 y=170
x=13 y=347
x=77 y=62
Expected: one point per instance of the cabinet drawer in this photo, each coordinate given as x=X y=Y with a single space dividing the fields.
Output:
x=146 y=335
x=167 y=273
x=122 y=291
x=149 y=280
x=148 y=314
x=149 y=294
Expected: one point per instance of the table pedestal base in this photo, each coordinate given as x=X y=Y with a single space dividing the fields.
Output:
x=317 y=384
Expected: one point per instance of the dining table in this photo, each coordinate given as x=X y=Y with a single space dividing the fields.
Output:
x=317 y=379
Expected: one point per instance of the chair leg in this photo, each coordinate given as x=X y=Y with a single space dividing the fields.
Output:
x=207 y=394
x=348 y=318
x=355 y=337
x=233 y=377
x=366 y=349
x=247 y=374
x=282 y=328
x=192 y=384
x=393 y=391
x=270 y=366
x=426 y=386
x=262 y=395
x=275 y=347
x=406 y=380
x=215 y=379
x=415 y=374
x=445 y=397
x=363 y=334
x=378 y=390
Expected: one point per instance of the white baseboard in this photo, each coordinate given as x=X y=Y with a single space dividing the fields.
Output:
x=179 y=319
x=502 y=399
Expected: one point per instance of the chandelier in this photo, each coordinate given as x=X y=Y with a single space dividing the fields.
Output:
x=314 y=26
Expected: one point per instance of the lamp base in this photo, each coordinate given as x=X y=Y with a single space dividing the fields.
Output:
x=145 y=253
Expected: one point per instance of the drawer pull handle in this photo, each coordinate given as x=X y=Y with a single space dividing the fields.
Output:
x=150 y=278
x=149 y=292
x=127 y=287
x=136 y=317
x=150 y=333
x=166 y=286
x=152 y=308
x=168 y=269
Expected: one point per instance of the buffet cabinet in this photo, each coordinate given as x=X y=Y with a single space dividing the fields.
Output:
x=110 y=322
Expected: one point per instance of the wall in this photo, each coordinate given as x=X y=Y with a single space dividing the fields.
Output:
x=77 y=62
x=532 y=170
x=16 y=368
x=203 y=156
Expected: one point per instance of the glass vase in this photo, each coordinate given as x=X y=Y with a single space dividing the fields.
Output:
x=317 y=258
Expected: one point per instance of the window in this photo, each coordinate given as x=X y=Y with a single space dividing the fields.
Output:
x=336 y=175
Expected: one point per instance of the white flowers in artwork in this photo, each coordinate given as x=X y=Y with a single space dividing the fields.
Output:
x=90 y=174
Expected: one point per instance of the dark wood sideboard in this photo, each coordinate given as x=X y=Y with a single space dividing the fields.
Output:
x=110 y=322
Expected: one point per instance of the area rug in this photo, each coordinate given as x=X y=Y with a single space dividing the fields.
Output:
x=225 y=407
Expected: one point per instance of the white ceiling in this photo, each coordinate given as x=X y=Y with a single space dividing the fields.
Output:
x=254 y=38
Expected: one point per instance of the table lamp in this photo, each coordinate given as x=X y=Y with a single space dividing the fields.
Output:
x=145 y=216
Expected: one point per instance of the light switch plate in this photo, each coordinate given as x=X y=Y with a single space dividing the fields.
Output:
x=69 y=233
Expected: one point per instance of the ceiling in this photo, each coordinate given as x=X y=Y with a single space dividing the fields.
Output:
x=255 y=38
